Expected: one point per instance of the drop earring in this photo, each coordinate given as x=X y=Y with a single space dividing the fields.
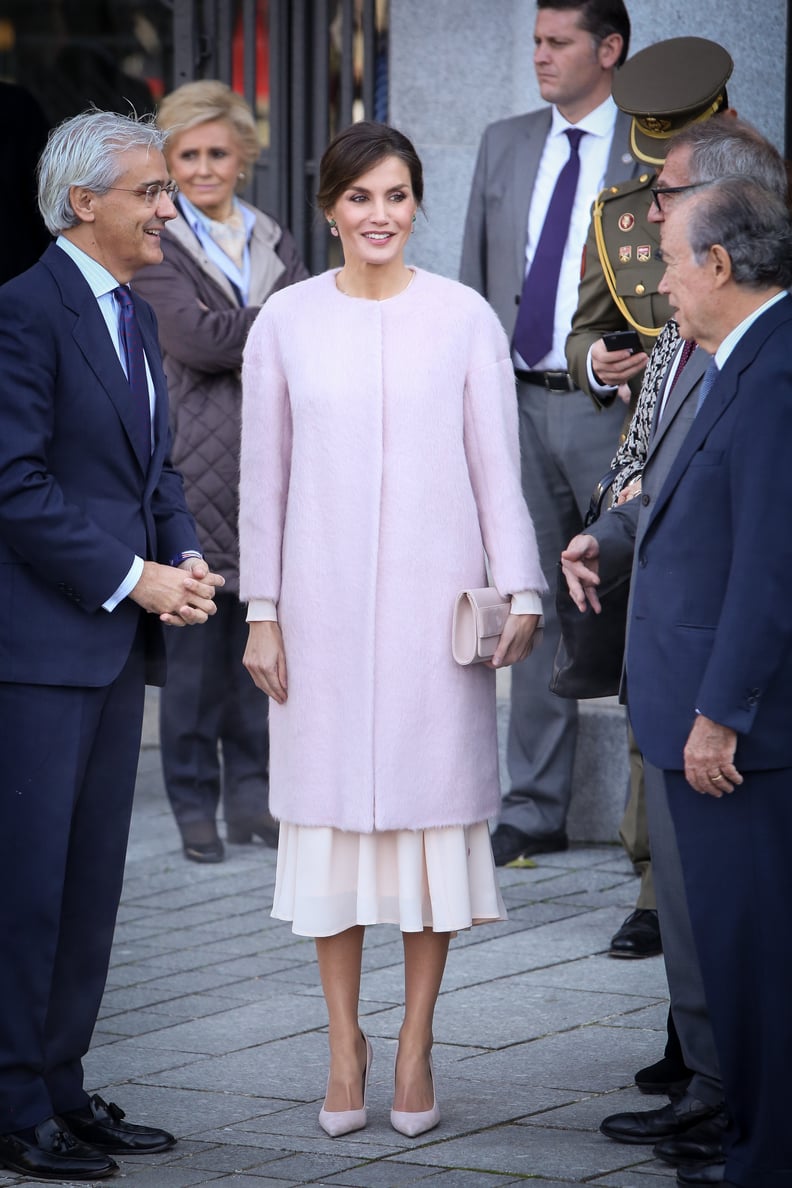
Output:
x=333 y=228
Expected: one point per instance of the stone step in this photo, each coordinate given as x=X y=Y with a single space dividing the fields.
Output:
x=601 y=772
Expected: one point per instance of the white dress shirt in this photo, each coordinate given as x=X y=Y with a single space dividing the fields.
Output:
x=594 y=152
x=101 y=284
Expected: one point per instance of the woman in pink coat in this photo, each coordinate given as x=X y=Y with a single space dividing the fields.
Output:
x=380 y=468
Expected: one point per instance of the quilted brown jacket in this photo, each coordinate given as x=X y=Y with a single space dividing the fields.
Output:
x=202 y=330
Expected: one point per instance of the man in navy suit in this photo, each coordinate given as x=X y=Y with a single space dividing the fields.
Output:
x=709 y=656
x=690 y=1128
x=97 y=551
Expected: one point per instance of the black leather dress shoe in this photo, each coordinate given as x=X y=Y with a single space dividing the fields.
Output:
x=102 y=1125
x=650 y=1126
x=668 y=1077
x=50 y=1152
x=701 y=1144
x=712 y=1173
x=509 y=844
x=639 y=936
x=211 y=851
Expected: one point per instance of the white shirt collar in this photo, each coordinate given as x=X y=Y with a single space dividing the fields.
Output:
x=731 y=340
x=599 y=122
x=97 y=276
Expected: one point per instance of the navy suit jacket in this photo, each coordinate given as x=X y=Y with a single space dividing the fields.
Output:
x=711 y=620
x=78 y=497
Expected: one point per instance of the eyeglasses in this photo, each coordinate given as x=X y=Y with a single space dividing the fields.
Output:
x=151 y=194
x=657 y=191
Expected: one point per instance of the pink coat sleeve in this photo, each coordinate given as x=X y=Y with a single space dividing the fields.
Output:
x=265 y=462
x=493 y=453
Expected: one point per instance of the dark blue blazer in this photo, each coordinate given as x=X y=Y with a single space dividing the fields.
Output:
x=711 y=621
x=79 y=493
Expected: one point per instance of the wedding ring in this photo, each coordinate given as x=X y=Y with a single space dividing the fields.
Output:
x=715 y=778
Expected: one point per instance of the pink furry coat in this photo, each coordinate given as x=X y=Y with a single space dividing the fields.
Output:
x=380 y=460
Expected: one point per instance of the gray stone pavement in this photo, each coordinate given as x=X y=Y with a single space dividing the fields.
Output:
x=213 y=1025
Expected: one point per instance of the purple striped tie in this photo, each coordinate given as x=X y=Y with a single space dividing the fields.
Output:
x=533 y=332
x=132 y=345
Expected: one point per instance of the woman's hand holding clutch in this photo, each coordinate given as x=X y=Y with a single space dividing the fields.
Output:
x=516 y=641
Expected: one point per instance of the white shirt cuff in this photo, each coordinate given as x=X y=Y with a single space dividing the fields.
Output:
x=127 y=586
x=527 y=602
x=262 y=610
x=600 y=388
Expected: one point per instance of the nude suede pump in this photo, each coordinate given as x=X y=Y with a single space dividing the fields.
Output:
x=338 y=1122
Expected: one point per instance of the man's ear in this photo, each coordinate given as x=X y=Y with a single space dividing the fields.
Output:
x=720 y=263
x=609 y=50
x=82 y=203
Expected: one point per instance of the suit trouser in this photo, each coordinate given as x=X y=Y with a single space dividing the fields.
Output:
x=66 y=786
x=634 y=829
x=566 y=447
x=685 y=984
x=209 y=698
x=738 y=877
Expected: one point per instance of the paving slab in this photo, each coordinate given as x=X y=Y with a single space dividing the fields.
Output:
x=213 y=1024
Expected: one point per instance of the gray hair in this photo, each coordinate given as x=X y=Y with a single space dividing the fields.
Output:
x=753 y=225
x=726 y=145
x=84 y=151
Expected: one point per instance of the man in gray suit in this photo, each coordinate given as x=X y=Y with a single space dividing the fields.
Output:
x=689 y=1130
x=566 y=444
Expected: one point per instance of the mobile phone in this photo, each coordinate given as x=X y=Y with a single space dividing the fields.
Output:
x=623 y=340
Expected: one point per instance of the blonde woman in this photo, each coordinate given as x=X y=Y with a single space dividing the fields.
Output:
x=222 y=259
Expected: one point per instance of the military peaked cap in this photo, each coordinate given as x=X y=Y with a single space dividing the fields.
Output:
x=667 y=86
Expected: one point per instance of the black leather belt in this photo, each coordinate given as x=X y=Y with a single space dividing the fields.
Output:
x=554 y=381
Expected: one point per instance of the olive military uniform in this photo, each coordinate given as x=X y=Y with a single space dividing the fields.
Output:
x=619 y=275
x=665 y=87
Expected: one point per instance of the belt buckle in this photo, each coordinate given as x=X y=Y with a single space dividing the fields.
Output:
x=558 y=381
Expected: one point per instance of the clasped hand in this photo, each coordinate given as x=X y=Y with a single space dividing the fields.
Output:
x=182 y=596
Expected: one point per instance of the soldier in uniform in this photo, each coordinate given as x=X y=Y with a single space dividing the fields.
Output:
x=664 y=88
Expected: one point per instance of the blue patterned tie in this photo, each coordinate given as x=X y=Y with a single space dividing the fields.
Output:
x=132 y=345
x=710 y=375
x=533 y=332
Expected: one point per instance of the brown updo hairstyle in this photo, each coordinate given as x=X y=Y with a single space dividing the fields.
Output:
x=355 y=151
x=203 y=102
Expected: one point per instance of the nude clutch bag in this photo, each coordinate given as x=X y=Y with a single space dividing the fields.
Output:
x=479 y=619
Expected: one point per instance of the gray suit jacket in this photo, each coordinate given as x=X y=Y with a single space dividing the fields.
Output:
x=493 y=247
x=620 y=530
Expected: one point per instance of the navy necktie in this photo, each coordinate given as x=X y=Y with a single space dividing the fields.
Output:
x=533 y=332
x=710 y=375
x=132 y=346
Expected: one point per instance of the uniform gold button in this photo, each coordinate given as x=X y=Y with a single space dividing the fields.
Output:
x=640 y=289
x=644 y=178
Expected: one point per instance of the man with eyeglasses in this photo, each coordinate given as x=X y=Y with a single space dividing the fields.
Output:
x=688 y=1132
x=664 y=88
x=97 y=552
